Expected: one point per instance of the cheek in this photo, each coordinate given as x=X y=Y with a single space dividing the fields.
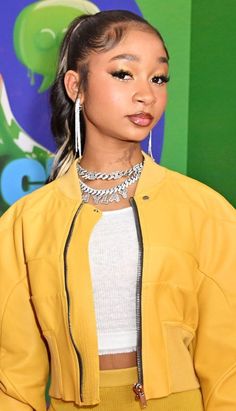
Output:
x=116 y=99
x=102 y=98
x=162 y=99
x=103 y=108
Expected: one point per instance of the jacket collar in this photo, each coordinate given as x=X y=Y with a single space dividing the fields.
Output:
x=152 y=175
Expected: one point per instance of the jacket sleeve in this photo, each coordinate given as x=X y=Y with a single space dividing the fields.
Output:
x=215 y=346
x=23 y=354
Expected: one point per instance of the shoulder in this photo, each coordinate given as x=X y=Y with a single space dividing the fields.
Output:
x=195 y=194
x=37 y=201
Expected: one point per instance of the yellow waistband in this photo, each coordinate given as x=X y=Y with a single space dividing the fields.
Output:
x=119 y=377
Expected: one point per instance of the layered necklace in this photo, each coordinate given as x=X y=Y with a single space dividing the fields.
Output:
x=116 y=193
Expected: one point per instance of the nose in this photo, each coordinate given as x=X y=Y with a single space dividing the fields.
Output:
x=144 y=94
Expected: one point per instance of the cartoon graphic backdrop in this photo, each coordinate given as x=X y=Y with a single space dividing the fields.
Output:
x=30 y=35
x=33 y=33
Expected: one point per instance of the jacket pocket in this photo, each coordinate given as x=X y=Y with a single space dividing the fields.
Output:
x=56 y=386
x=178 y=339
x=49 y=311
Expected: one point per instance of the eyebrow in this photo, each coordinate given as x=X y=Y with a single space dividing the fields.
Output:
x=133 y=57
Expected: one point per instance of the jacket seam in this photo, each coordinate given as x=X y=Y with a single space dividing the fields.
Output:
x=5 y=308
x=178 y=249
x=29 y=260
x=15 y=390
x=208 y=190
x=181 y=325
x=167 y=362
x=64 y=195
x=220 y=219
x=22 y=206
x=219 y=381
x=185 y=252
x=2 y=321
x=207 y=276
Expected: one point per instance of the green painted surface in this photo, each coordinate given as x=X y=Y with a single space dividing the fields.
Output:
x=172 y=18
x=212 y=111
x=38 y=32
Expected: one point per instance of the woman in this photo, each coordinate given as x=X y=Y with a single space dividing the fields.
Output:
x=119 y=273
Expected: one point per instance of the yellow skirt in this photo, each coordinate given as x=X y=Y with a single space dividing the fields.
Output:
x=116 y=394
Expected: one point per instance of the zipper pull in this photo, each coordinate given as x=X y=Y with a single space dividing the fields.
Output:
x=139 y=394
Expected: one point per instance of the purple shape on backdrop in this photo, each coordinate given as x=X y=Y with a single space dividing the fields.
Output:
x=25 y=101
x=30 y=109
x=130 y=5
x=157 y=139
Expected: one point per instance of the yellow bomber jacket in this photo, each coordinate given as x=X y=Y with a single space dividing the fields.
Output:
x=187 y=289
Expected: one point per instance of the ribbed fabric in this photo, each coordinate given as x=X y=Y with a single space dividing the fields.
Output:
x=117 y=395
x=113 y=258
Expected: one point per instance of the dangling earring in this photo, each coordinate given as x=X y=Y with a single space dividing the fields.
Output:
x=150 y=145
x=78 y=108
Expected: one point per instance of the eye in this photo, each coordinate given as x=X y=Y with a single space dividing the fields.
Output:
x=122 y=75
x=160 y=79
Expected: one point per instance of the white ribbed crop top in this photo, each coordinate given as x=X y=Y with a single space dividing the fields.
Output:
x=113 y=255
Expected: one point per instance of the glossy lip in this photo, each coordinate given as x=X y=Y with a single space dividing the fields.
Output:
x=141 y=119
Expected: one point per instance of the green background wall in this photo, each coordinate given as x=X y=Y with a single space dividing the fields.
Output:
x=200 y=134
x=212 y=102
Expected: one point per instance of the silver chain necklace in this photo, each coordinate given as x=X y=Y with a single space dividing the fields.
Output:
x=93 y=175
x=106 y=196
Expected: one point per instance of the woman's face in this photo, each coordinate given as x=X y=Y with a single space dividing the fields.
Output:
x=126 y=91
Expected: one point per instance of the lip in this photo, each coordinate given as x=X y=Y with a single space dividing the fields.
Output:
x=141 y=119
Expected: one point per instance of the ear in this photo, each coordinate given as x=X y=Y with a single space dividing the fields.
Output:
x=71 y=81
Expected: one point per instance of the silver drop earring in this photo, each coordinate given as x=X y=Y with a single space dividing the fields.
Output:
x=150 y=145
x=78 y=108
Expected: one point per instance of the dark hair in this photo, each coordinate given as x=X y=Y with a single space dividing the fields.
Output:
x=98 y=33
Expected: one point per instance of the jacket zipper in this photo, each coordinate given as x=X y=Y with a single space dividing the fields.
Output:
x=138 y=387
x=67 y=244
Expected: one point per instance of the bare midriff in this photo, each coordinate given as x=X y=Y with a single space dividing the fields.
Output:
x=115 y=361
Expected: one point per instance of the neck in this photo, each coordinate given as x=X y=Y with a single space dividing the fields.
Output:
x=105 y=159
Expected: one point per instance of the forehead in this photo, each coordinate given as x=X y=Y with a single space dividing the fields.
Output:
x=136 y=45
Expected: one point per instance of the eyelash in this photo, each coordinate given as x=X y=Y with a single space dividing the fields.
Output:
x=121 y=74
